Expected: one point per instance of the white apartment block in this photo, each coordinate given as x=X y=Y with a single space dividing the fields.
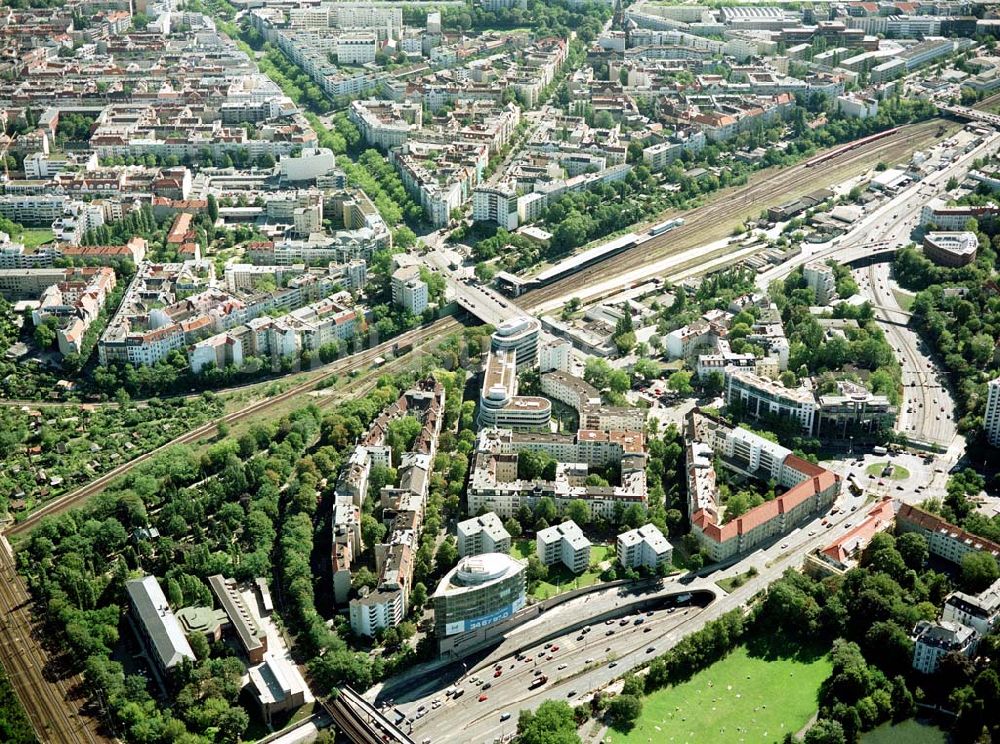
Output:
x=991 y=419
x=357 y=48
x=979 y=611
x=409 y=291
x=495 y=204
x=821 y=280
x=932 y=640
x=382 y=608
x=483 y=534
x=555 y=355
x=644 y=546
x=564 y=543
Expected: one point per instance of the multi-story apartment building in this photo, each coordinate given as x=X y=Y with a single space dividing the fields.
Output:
x=497 y=204
x=932 y=640
x=494 y=484
x=499 y=403
x=564 y=543
x=821 y=280
x=979 y=611
x=519 y=335
x=760 y=397
x=482 y=534
x=644 y=546
x=944 y=540
x=810 y=488
x=991 y=417
x=409 y=291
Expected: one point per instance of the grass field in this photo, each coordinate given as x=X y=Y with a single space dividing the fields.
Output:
x=743 y=698
x=34 y=238
x=561 y=579
x=898 y=472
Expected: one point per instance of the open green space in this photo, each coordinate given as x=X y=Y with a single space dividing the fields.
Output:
x=560 y=578
x=744 y=697
x=905 y=299
x=734 y=582
x=898 y=472
x=910 y=731
x=32 y=238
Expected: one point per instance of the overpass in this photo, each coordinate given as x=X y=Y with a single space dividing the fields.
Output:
x=361 y=722
x=970 y=114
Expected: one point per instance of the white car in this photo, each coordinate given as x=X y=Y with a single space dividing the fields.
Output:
x=561 y=667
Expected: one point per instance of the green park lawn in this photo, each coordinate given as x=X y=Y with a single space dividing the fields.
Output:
x=898 y=472
x=34 y=238
x=742 y=698
x=561 y=579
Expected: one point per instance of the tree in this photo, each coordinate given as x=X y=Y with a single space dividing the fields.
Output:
x=552 y=723
x=213 y=208
x=578 y=511
x=680 y=381
x=912 y=546
x=825 y=731
x=546 y=509
x=45 y=333
x=513 y=527
x=447 y=554
x=625 y=710
x=979 y=570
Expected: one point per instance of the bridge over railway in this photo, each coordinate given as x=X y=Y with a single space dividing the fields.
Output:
x=360 y=721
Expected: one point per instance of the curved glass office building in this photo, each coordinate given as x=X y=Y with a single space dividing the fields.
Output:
x=481 y=590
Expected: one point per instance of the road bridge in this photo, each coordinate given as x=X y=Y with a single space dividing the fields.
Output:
x=970 y=114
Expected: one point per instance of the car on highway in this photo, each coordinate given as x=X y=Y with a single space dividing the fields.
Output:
x=537 y=673
x=571 y=693
x=579 y=638
x=483 y=698
x=651 y=649
x=487 y=686
x=612 y=665
x=553 y=649
x=505 y=716
x=497 y=673
x=561 y=667
x=610 y=633
x=647 y=630
x=589 y=661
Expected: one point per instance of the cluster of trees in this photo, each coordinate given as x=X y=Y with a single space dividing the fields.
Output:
x=379 y=180
x=811 y=353
x=553 y=723
x=961 y=326
x=247 y=507
x=122 y=433
x=73 y=126
x=138 y=222
x=867 y=615
x=14 y=725
x=292 y=79
x=344 y=137
x=544 y=18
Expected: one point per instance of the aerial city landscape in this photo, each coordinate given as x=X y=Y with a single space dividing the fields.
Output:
x=487 y=371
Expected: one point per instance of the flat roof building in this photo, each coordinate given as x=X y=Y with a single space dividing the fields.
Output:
x=644 y=546
x=480 y=591
x=482 y=534
x=564 y=543
x=951 y=248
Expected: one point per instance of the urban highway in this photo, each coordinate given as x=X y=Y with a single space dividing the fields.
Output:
x=472 y=721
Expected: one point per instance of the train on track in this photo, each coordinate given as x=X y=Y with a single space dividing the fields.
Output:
x=836 y=152
x=666 y=226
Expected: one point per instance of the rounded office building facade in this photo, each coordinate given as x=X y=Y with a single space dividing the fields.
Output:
x=480 y=591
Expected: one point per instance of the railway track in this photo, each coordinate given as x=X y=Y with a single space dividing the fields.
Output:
x=55 y=718
x=714 y=221
x=353 y=363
